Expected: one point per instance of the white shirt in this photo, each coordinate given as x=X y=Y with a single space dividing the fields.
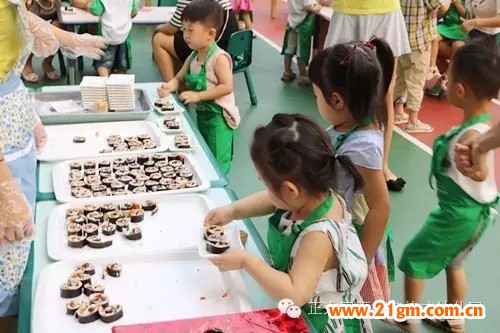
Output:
x=116 y=21
x=485 y=191
x=485 y=9
x=296 y=11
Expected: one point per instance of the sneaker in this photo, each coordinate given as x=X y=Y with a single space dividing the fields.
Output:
x=448 y=325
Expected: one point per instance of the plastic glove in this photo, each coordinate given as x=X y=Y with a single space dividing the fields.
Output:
x=45 y=42
x=40 y=136
x=16 y=218
x=84 y=45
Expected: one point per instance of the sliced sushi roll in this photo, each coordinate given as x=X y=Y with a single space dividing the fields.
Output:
x=150 y=184
x=161 y=164
x=181 y=181
x=99 y=188
x=74 y=229
x=101 y=194
x=166 y=169
x=144 y=136
x=135 y=173
x=119 y=192
x=176 y=157
x=171 y=174
x=104 y=164
x=117 y=185
x=81 y=192
x=74 y=212
x=90 y=229
x=111 y=313
x=192 y=184
x=213 y=230
x=149 y=205
x=106 y=175
x=95 y=217
x=138 y=190
x=159 y=157
x=149 y=171
x=122 y=223
x=89 y=208
x=119 y=161
x=106 y=208
x=114 y=269
x=73 y=305
x=173 y=186
x=71 y=289
x=89 y=165
x=141 y=159
x=187 y=175
x=77 y=183
x=134 y=233
x=142 y=178
x=108 y=181
x=135 y=184
x=148 y=145
x=99 y=299
x=81 y=276
x=102 y=170
x=96 y=242
x=158 y=103
x=89 y=172
x=121 y=173
x=75 y=166
x=134 y=166
x=108 y=229
x=156 y=176
x=166 y=181
x=81 y=219
x=113 y=137
x=175 y=163
x=149 y=164
x=125 y=179
x=159 y=188
x=135 y=215
x=95 y=288
x=131 y=160
x=114 y=216
x=87 y=268
x=87 y=314
x=76 y=241
x=127 y=205
x=218 y=247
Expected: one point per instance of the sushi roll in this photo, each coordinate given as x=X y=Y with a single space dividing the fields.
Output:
x=74 y=212
x=110 y=313
x=114 y=216
x=99 y=299
x=131 y=160
x=161 y=164
x=176 y=157
x=91 y=208
x=72 y=306
x=101 y=194
x=75 y=175
x=134 y=166
x=96 y=242
x=139 y=190
x=108 y=181
x=148 y=164
x=151 y=145
x=133 y=233
x=135 y=215
x=114 y=137
x=74 y=229
x=135 y=173
x=95 y=217
x=81 y=219
x=102 y=170
x=141 y=159
x=213 y=230
x=117 y=185
x=75 y=166
x=192 y=184
x=114 y=270
x=142 y=178
x=159 y=157
x=159 y=188
x=130 y=138
x=89 y=165
x=105 y=151
x=158 y=103
x=166 y=181
x=166 y=169
x=121 y=149
x=90 y=289
x=89 y=172
x=71 y=289
x=149 y=205
x=119 y=192
x=121 y=173
x=81 y=192
x=87 y=268
x=149 y=171
x=181 y=181
x=91 y=183
x=106 y=208
x=135 y=184
x=144 y=136
x=127 y=205
x=76 y=241
x=173 y=186
x=104 y=163
x=187 y=175
x=81 y=276
x=175 y=163
x=171 y=174
x=150 y=184
x=106 y=175
x=125 y=179
x=108 y=229
x=217 y=247
x=118 y=161
x=87 y=314
x=92 y=178
x=167 y=106
x=134 y=144
x=90 y=229
x=122 y=223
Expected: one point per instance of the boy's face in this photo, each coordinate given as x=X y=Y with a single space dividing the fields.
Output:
x=197 y=35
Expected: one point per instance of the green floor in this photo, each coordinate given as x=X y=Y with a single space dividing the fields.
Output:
x=409 y=208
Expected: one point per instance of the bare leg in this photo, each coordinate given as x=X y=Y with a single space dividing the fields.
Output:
x=165 y=56
x=248 y=21
x=389 y=127
x=414 y=289
x=102 y=71
x=288 y=65
x=302 y=69
x=456 y=283
x=28 y=72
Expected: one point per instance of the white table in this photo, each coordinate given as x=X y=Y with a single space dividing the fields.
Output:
x=146 y=16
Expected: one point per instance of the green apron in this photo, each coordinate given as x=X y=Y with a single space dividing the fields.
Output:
x=449 y=27
x=280 y=249
x=209 y=116
x=456 y=224
x=391 y=265
x=305 y=30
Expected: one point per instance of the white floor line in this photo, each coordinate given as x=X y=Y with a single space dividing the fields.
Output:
x=398 y=130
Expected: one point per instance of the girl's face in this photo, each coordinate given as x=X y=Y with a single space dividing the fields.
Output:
x=335 y=113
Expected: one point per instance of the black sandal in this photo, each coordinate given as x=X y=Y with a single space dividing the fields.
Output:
x=396 y=185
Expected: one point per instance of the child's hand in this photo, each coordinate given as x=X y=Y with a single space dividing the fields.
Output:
x=230 y=260
x=220 y=216
x=40 y=136
x=188 y=97
x=468 y=25
x=166 y=89
x=470 y=161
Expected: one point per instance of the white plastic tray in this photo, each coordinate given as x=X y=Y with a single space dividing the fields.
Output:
x=60 y=145
x=177 y=108
x=232 y=236
x=150 y=289
x=62 y=188
x=173 y=228
x=163 y=128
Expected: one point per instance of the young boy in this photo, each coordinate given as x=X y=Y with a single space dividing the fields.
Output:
x=208 y=76
x=115 y=25
x=412 y=68
x=454 y=228
x=298 y=38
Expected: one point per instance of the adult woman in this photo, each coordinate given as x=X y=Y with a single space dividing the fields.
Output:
x=21 y=132
x=485 y=21
x=359 y=20
x=169 y=48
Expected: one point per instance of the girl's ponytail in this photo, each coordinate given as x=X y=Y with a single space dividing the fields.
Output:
x=346 y=163
x=386 y=59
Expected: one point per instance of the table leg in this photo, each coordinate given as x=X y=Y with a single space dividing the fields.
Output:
x=148 y=3
x=273 y=8
x=71 y=62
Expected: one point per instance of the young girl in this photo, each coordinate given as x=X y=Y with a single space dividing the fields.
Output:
x=350 y=82
x=465 y=205
x=209 y=79
x=316 y=255
x=243 y=10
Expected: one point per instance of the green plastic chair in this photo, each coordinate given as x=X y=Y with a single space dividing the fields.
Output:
x=240 y=49
x=167 y=3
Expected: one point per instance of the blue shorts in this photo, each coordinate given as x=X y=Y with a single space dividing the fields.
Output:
x=14 y=257
x=115 y=57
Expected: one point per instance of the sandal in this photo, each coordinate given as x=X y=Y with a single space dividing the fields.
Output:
x=31 y=77
x=447 y=325
x=288 y=77
x=53 y=76
x=433 y=77
x=419 y=127
x=401 y=118
x=396 y=185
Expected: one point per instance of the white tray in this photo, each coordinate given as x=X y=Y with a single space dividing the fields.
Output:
x=177 y=108
x=150 y=289
x=62 y=188
x=232 y=236
x=163 y=128
x=174 y=228
x=174 y=149
x=60 y=144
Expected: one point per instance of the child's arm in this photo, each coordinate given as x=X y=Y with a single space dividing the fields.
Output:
x=434 y=5
x=95 y=7
x=135 y=9
x=224 y=75
x=173 y=85
x=478 y=169
x=461 y=9
x=326 y=3
x=314 y=8
x=257 y=204
x=377 y=199
x=313 y=255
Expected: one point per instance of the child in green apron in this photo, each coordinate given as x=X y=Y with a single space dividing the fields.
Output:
x=208 y=76
x=350 y=82
x=465 y=205
x=316 y=254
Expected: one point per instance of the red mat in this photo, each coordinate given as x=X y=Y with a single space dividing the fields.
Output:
x=251 y=322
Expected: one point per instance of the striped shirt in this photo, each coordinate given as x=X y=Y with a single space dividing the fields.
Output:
x=176 y=20
x=421 y=19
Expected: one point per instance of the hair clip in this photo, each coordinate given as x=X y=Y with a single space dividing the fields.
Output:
x=348 y=58
x=369 y=42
